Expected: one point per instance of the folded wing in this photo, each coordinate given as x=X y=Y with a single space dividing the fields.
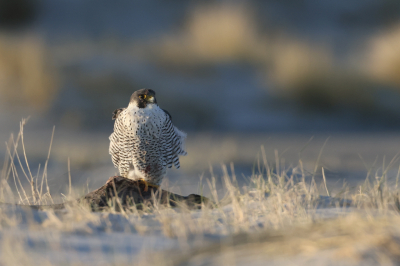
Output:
x=172 y=143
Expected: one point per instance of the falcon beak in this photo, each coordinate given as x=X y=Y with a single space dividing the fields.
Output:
x=150 y=99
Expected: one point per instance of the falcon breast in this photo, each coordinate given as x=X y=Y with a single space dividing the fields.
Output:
x=145 y=142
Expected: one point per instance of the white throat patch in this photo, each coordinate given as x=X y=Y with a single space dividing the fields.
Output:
x=151 y=118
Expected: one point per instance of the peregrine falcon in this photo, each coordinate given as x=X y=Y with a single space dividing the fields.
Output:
x=145 y=142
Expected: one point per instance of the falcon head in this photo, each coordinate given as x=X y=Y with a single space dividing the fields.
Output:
x=142 y=98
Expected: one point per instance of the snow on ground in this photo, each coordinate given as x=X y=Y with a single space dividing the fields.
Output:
x=101 y=239
x=278 y=213
x=279 y=228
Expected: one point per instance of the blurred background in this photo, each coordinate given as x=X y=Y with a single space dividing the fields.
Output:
x=235 y=75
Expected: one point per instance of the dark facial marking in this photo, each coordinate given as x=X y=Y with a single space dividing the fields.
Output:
x=141 y=101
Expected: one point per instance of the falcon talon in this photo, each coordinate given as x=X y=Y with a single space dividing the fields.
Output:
x=146 y=185
x=145 y=142
x=154 y=186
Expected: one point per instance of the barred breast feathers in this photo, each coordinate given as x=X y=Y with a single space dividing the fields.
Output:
x=134 y=127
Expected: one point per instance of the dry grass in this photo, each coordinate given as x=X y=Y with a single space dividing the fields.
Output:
x=280 y=212
x=383 y=56
x=221 y=32
x=304 y=71
x=348 y=240
x=308 y=74
x=299 y=69
x=26 y=77
x=14 y=165
x=295 y=61
x=214 y=33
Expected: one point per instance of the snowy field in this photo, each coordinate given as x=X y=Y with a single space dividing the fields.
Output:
x=279 y=213
x=276 y=221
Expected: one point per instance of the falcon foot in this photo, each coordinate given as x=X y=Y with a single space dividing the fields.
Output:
x=147 y=185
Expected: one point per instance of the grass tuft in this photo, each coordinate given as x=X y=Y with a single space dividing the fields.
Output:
x=280 y=210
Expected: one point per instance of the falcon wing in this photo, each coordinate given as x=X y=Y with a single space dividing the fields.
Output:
x=114 y=149
x=117 y=112
x=169 y=115
x=172 y=143
x=120 y=144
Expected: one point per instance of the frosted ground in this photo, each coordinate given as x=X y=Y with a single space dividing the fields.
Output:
x=281 y=211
